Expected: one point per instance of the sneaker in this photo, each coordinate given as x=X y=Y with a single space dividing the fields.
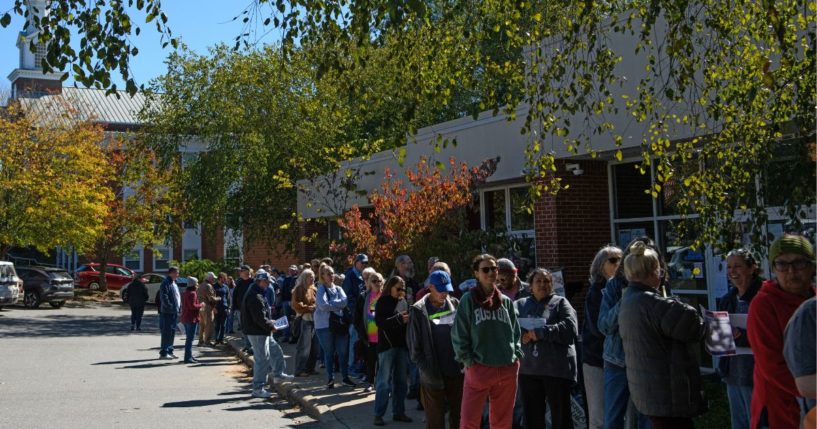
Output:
x=330 y=384
x=402 y=418
x=164 y=357
x=378 y=421
x=191 y=360
x=348 y=382
x=261 y=393
x=369 y=389
x=172 y=356
x=284 y=377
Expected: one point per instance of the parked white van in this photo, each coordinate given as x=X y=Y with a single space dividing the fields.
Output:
x=11 y=286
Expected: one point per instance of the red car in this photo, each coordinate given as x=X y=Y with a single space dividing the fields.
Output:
x=87 y=276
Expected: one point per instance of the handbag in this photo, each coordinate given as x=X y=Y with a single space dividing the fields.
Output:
x=295 y=328
x=339 y=323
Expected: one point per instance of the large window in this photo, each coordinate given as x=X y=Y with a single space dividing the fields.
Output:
x=161 y=257
x=133 y=259
x=507 y=209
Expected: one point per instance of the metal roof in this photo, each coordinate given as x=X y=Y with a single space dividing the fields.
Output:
x=85 y=104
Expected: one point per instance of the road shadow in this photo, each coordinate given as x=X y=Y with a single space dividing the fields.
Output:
x=72 y=325
x=202 y=402
x=118 y=362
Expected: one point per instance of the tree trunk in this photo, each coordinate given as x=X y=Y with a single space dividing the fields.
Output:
x=103 y=278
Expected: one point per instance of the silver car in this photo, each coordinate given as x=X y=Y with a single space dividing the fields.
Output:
x=152 y=281
x=11 y=286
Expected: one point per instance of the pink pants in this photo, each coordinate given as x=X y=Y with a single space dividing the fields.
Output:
x=486 y=382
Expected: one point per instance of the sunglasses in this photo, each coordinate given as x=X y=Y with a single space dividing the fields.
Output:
x=613 y=260
x=487 y=270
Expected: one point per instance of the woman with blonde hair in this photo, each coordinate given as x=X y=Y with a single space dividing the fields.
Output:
x=661 y=337
x=304 y=303
x=366 y=325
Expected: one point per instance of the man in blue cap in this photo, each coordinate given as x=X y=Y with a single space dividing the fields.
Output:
x=430 y=348
x=353 y=286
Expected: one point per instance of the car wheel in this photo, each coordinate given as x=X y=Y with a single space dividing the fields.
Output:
x=31 y=299
x=93 y=286
x=56 y=304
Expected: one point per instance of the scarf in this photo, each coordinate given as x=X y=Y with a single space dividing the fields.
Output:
x=488 y=302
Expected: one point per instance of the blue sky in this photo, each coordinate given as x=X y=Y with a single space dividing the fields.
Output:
x=199 y=24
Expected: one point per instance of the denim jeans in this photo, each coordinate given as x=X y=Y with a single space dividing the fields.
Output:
x=261 y=368
x=245 y=340
x=740 y=399
x=331 y=344
x=617 y=403
x=231 y=321
x=136 y=313
x=189 y=334
x=278 y=363
x=306 y=352
x=391 y=381
x=352 y=340
x=168 y=327
x=220 y=321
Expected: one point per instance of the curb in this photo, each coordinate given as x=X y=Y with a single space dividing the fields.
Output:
x=291 y=391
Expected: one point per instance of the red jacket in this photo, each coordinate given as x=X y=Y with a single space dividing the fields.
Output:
x=774 y=387
x=191 y=306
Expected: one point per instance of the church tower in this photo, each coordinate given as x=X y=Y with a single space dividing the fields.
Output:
x=28 y=79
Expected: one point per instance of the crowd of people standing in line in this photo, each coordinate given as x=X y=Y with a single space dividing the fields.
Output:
x=509 y=347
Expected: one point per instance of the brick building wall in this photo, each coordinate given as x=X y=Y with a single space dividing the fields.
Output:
x=573 y=225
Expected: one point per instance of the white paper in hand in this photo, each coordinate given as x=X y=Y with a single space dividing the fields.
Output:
x=281 y=323
x=531 y=323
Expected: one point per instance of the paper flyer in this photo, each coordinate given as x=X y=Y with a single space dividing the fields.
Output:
x=720 y=328
x=281 y=323
x=531 y=323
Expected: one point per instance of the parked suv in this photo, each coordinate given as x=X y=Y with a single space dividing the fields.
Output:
x=45 y=284
x=11 y=287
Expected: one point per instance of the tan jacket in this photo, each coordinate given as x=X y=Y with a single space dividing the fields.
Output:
x=207 y=295
x=304 y=300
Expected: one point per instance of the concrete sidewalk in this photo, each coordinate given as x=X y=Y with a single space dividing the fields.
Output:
x=341 y=407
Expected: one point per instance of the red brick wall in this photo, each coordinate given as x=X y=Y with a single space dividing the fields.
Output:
x=260 y=253
x=212 y=244
x=573 y=225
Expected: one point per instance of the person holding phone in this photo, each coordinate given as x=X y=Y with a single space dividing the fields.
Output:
x=391 y=317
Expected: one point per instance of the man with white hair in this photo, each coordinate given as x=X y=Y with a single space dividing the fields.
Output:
x=256 y=319
x=207 y=296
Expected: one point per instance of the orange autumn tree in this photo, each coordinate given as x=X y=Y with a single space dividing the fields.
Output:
x=405 y=214
x=141 y=212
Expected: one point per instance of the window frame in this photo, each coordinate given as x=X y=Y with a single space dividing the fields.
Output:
x=138 y=251
x=167 y=256
x=508 y=215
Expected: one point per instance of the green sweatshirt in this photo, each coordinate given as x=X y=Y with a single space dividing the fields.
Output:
x=489 y=338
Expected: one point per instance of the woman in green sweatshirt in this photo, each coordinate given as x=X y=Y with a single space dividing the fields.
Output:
x=486 y=340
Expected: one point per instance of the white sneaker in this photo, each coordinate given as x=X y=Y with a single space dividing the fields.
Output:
x=261 y=394
x=284 y=377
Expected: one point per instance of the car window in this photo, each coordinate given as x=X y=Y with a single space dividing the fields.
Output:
x=60 y=275
x=7 y=272
x=123 y=272
x=153 y=278
x=84 y=268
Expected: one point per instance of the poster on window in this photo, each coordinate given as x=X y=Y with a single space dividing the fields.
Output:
x=558 y=282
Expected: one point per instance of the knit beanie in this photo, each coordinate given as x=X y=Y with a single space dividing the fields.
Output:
x=790 y=243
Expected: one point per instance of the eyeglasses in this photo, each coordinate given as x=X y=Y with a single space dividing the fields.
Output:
x=487 y=270
x=798 y=264
x=613 y=260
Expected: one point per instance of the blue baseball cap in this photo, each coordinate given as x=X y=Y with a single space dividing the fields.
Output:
x=362 y=258
x=441 y=281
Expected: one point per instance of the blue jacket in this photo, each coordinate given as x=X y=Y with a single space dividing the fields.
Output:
x=223 y=292
x=608 y=321
x=352 y=286
x=331 y=299
x=169 y=296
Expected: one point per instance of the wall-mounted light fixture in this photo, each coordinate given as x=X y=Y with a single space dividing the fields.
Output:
x=575 y=168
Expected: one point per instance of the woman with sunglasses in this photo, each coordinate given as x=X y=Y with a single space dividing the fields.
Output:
x=744 y=276
x=603 y=268
x=486 y=339
x=365 y=322
x=391 y=317
x=548 y=369
x=331 y=299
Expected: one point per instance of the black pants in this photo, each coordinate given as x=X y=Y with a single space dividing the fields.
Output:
x=541 y=392
x=371 y=362
x=220 y=321
x=671 y=422
x=136 y=313
x=437 y=402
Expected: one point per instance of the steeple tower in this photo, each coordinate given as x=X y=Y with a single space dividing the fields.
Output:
x=28 y=79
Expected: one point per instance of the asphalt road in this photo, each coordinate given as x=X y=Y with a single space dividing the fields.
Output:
x=83 y=368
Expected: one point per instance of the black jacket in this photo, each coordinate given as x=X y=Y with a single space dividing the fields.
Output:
x=661 y=338
x=391 y=331
x=137 y=294
x=421 y=343
x=592 y=338
x=738 y=370
x=240 y=290
x=255 y=313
